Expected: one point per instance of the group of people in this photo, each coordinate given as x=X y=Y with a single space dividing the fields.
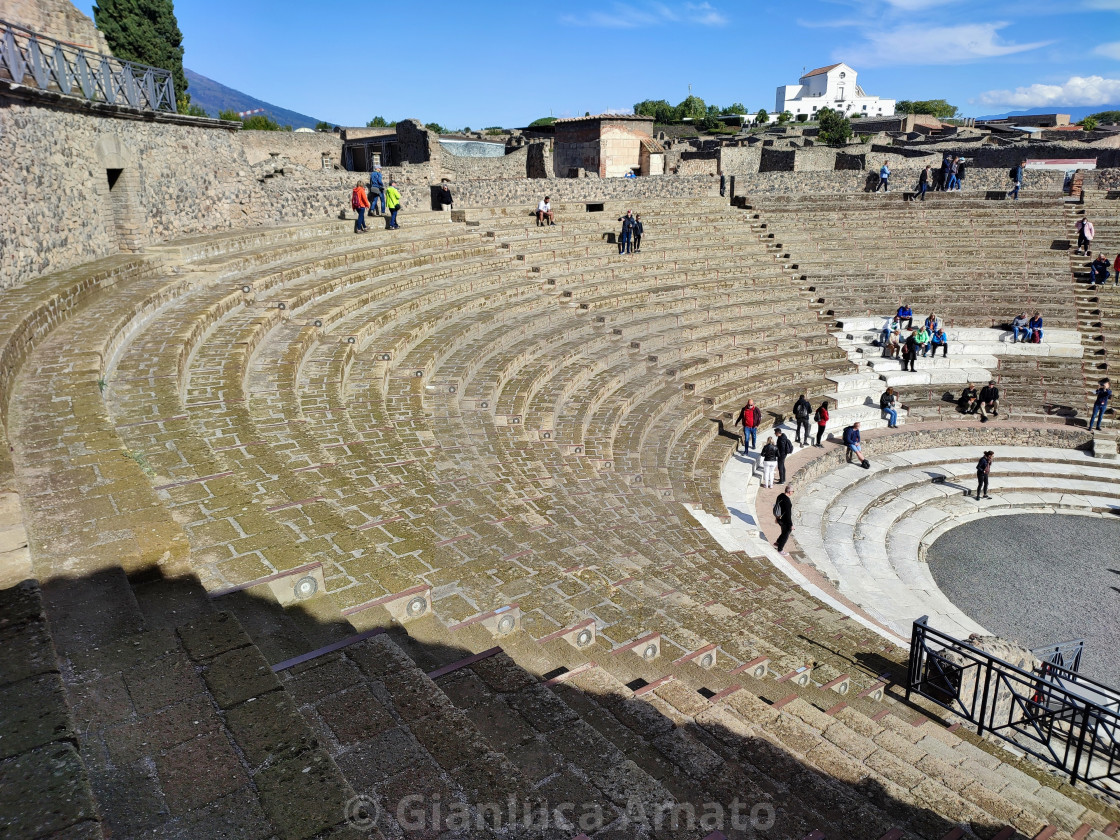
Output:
x=986 y=402
x=630 y=239
x=948 y=177
x=1100 y=266
x=778 y=446
x=379 y=199
x=926 y=340
x=1026 y=330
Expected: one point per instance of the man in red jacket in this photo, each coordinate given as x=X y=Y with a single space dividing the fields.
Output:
x=360 y=202
x=750 y=418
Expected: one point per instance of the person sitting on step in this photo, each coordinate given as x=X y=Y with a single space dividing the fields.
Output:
x=888 y=404
x=1021 y=324
x=969 y=402
x=1035 y=327
x=544 y=212
x=938 y=339
x=1098 y=270
x=931 y=323
x=905 y=315
x=923 y=340
x=989 y=401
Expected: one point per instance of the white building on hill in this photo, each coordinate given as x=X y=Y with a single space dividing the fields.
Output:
x=830 y=87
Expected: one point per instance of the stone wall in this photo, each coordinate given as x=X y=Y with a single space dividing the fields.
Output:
x=734 y=160
x=305 y=149
x=902 y=179
x=698 y=164
x=513 y=165
x=55 y=19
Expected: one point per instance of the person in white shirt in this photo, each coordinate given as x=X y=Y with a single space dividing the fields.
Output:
x=544 y=212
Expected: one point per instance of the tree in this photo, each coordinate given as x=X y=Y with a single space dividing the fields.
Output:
x=146 y=31
x=1106 y=117
x=542 y=121
x=934 y=107
x=436 y=127
x=323 y=126
x=377 y=122
x=735 y=108
x=691 y=108
x=784 y=117
x=1088 y=124
x=230 y=115
x=835 y=128
x=262 y=122
x=193 y=110
x=761 y=118
x=661 y=111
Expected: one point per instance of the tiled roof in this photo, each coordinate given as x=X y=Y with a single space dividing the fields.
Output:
x=820 y=70
x=605 y=117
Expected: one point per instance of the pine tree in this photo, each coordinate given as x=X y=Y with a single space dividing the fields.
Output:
x=147 y=32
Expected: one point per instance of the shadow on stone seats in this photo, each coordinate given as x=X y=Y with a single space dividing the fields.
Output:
x=165 y=716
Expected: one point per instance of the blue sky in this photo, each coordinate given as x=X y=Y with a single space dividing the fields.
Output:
x=499 y=62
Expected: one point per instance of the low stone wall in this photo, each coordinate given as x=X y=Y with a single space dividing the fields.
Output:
x=1059 y=437
x=902 y=179
x=513 y=165
x=298 y=147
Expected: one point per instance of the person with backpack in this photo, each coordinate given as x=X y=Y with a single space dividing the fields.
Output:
x=769 y=456
x=785 y=448
x=801 y=411
x=854 y=447
x=888 y=404
x=783 y=515
x=983 y=471
x=821 y=417
x=376 y=191
x=953 y=183
x=393 y=202
x=359 y=202
x=1016 y=176
x=1085 y=234
x=750 y=418
x=1100 y=403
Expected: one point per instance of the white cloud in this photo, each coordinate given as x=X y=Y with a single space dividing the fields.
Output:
x=1079 y=90
x=915 y=44
x=1109 y=50
x=624 y=16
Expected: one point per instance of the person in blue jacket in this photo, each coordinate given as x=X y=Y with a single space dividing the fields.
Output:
x=1100 y=404
x=376 y=191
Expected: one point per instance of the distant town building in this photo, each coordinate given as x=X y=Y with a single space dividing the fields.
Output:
x=609 y=144
x=831 y=87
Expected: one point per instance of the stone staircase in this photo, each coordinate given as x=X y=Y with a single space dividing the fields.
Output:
x=337 y=435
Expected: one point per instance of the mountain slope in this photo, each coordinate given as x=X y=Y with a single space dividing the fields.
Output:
x=1075 y=113
x=216 y=97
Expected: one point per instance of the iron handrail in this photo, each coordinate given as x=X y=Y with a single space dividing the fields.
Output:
x=1054 y=714
x=47 y=64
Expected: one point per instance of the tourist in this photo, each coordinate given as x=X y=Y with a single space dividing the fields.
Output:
x=923 y=182
x=785 y=448
x=783 y=506
x=953 y=183
x=983 y=471
x=376 y=191
x=905 y=315
x=884 y=178
x=891 y=326
x=638 y=231
x=1100 y=404
x=1098 y=270
x=942 y=174
x=989 y=401
x=1085 y=234
x=1021 y=324
x=888 y=404
x=393 y=203
x=1016 y=176
x=894 y=345
x=769 y=455
x=960 y=174
x=544 y=212
x=626 y=238
x=969 y=403
x=921 y=339
x=750 y=418
x=938 y=339
x=852 y=442
x=802 y=410
x=359 y=202
x=443 y=196
x=1035 y=328
x=1116 y=270
x=910 y=353
x=821 y=416
x=931 y=323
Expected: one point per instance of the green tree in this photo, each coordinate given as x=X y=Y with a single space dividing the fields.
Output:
x=542 y=121
x=761 y=118
x=378 y=122
x=1106 y=117
x=934 y=107
x=145 y=31
x=835 y=128
x=692 y=108
x=735 y=108
x=784 y=117
x=659 y=109
x=323 y=126
x=193 y=110
x=230 y=115
x=436 y=127
x=1089 y=123
x=262 y=122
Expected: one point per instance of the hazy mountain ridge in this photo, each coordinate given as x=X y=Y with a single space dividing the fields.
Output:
x=1076 y=113
x=215 y=97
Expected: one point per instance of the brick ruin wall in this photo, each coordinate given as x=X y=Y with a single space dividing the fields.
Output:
x=297 y=147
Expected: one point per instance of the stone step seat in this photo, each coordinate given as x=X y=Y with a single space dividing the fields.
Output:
x=203 y=246
x=709 y=244
x=514 y=230
x=866 y=329
x=745 y=267
x=611 y=209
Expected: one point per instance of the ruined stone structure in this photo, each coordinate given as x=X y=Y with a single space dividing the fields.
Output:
x=609 y=145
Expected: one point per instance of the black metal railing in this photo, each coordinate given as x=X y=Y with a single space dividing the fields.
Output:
x=1054 y=714
x=1064 y=655
x=42 y=63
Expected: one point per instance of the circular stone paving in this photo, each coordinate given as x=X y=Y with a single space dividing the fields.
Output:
x=1039 y=578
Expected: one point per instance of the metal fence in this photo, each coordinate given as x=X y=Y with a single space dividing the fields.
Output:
x=46 y=64
x=1055 y=714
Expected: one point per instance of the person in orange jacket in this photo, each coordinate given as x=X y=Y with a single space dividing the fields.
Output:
x=360 y=202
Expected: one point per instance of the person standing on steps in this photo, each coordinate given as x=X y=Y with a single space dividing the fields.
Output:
x=1085 y=234
x=1016 y=175
x=983 y=471
x=376 y=191
x=1100 y=403
x=785 y=448
x=639 y=229
x=884 y=178
x=625 y=239
x=393 y=202
x=910 y=352
x=923 y=182
x=802 y=409
x=888 y=404
x=750 y=418
x=783 y=507
x=769 y=456
x=360 y=203
x=821 y=416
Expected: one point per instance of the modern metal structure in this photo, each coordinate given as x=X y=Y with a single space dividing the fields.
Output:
x=49 y=65
x=1054 y=714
